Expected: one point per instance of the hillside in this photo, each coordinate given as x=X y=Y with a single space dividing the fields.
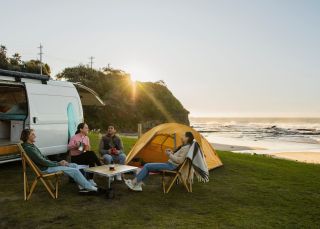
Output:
x=127 y=103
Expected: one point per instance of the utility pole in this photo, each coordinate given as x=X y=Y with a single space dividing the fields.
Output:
x=91 y=61
x=40 y=54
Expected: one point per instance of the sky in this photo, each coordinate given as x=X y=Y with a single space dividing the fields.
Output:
x=219 y=58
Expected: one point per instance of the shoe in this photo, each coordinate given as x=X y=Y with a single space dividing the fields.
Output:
x=92 y=182
x=88 y=193
x=137 y=188
x=133 y=187
x=80 y=187
x=118 y=177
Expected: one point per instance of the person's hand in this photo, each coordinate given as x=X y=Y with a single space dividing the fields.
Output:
x=168 y=152
x=63 y=163
x=85 y=148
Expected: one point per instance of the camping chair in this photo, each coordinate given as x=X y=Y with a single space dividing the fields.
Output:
x=176 y=174
x=45 y=178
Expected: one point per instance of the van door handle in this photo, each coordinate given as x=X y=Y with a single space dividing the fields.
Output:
x=35 y=119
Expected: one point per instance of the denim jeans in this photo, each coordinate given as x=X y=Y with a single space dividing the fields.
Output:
x=120 y=158
x=73 y=172
x=153 y=167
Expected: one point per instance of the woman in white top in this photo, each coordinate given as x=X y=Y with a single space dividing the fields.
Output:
x=174 y=160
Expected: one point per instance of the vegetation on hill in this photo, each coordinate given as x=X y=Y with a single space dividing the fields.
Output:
x=127 y=103
x=249 y=191
x=15 y=63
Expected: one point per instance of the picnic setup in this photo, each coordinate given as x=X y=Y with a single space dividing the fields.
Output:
x=176 y=153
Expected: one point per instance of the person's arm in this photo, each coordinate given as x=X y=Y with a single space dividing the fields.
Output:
x=121 y=148
x=101 y=148
x=88 y=147
x=73 y=144
x=179 y=156
x=36 y=156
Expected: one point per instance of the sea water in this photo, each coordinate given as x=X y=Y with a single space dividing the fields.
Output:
x=262 y=135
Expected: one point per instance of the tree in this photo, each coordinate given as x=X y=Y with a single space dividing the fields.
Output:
x=3 y=57
x=15 y=63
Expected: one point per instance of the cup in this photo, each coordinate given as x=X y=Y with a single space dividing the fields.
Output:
x=112 y=167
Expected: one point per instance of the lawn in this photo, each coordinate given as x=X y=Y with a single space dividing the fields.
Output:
x=249 y=191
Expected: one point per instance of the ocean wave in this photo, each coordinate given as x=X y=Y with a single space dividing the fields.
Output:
x=307 y=131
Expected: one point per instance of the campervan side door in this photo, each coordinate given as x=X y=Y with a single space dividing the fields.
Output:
x=48 y=114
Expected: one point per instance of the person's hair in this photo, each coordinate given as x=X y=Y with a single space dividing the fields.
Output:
x=112 y=125
x=80 y=126
x=190 y=137
x=25 y=134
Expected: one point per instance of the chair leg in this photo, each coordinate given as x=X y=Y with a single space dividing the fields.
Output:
x=34 y=183
x=47 y=187
x=172 y=182
x=25 y=186
x=184 y=183
x=163 y=183
x=57 y=186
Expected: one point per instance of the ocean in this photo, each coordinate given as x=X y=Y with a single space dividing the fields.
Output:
x=262 y=135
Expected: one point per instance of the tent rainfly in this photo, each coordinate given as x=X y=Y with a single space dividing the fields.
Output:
x=151 y=146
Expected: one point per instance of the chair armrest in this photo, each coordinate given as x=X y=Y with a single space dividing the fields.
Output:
x=169 y=171
x=59 y=173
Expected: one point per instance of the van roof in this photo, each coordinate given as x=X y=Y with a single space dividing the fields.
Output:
x=19 y=75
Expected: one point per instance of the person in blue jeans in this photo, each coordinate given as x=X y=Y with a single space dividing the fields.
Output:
x=175 y=159
x=28 y=137
x=111 y=148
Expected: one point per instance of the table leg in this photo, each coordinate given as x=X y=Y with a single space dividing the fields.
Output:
x=109 y=182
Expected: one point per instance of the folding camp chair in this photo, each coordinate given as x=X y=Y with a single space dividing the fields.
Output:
x=175 y=174
x=45 y=178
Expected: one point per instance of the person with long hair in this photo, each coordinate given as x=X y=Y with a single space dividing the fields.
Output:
x=175 y=159
x=80 y=149
x=28 y=137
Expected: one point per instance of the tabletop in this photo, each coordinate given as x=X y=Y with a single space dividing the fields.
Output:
x=104 y=170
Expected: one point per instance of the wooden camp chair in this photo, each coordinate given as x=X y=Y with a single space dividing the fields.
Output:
x=45 y=178
x=175 y=174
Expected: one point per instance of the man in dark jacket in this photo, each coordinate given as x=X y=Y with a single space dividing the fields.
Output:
x=111 y=147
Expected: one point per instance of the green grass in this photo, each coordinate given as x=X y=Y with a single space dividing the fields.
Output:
x=247 y=192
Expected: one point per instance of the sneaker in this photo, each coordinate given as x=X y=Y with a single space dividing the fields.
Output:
x=80 y=187
x=118 y=177
x=137 y=188
x=83 y=191
x=92 y=182
x=133 y=187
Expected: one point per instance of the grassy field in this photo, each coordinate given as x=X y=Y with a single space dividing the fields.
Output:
x=247 y=192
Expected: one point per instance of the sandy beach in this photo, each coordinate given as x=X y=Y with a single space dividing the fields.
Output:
x=306 y=157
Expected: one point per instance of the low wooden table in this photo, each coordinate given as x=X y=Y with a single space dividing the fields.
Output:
x=104 y=170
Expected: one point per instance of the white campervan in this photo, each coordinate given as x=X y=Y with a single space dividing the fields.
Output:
x=52 y=108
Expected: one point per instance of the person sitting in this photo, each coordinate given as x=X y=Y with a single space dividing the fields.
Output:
x=80 y=149
x=111 y=148
x=176 y=158
x=28 y=137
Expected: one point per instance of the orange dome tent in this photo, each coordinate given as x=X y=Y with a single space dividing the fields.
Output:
x=151 y=146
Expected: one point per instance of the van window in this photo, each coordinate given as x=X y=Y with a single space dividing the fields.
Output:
x=13 y=103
